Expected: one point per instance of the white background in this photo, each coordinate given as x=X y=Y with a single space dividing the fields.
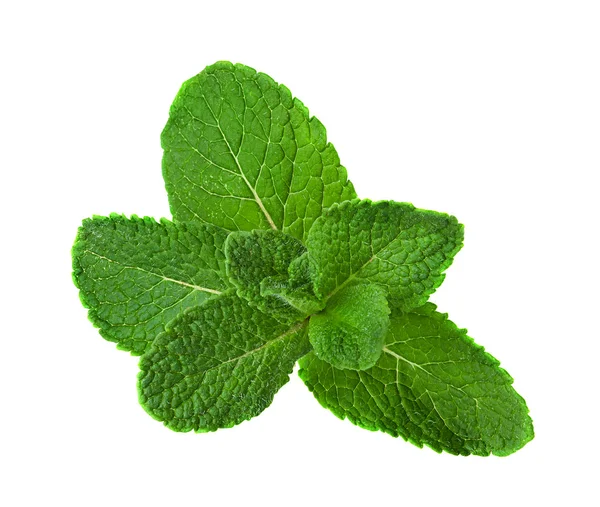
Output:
x=486 y=110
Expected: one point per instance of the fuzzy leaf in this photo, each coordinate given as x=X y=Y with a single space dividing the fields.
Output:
x=218 y=364
x=350 y=332
x=395 y=245
x=301 y=298
x=255 y=256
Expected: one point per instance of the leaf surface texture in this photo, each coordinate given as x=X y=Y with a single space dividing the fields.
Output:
x=350 y=331
x=219 y=364
x=395 y=245
x=135 y=275
x=241 y=153
x=254 y=256
x=432 y=385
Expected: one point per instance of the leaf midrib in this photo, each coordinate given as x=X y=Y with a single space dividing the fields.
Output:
x=241 y=172
x=165 y=278
x=428 y=392
x=203 y=373
x=374 y=255
x=287 y=333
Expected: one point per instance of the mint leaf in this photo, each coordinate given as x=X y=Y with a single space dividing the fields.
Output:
x=300 y=274
x=135 y=275
x=295 y=288
x=350 y=332
x=432 y=385
x=218 y=364
x=241 y=153
x=302 y=298
x=402 y=248
x=254 y=256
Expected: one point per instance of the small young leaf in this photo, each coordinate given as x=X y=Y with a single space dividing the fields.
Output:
x=254 y=256
x=432 y=385
x=402 y=248
x=296 y=288
x=350 y=332
x=135 y=275
x=300 y=274
x=218 y=364
x=301 y=298
x=242 y=154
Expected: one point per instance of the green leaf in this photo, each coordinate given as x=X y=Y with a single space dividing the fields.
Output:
x=402 y=248
x=218 y=364
x=256 y=255
x=295 y=288
x=135 y=275
x=432 y=385
x=300 y=274
x=301 y=298
x=350 y=332
x=241 y=153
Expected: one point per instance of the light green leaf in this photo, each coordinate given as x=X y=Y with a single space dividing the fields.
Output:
x=299 y=273
x=135 y=275
x=242 y=154
x=256 y=255
x=218 y=364
x=432 y=385
x=302 y=298
x=296 y=288
x=402 y=248
x=350 y=332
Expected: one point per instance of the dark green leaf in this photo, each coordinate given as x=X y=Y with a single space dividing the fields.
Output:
x=432 y=385
x=218 y=364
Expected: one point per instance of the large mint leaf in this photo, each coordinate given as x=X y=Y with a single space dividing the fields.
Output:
x=135 y=275
x=254 y=256
x=395 y=245
x=350 y=331
x=432 y=385
x=241 y=153
x=218 y=364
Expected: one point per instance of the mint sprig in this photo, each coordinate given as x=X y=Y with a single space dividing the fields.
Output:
x=270 y=259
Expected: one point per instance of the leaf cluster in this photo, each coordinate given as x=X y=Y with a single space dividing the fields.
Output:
x=270 y=259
